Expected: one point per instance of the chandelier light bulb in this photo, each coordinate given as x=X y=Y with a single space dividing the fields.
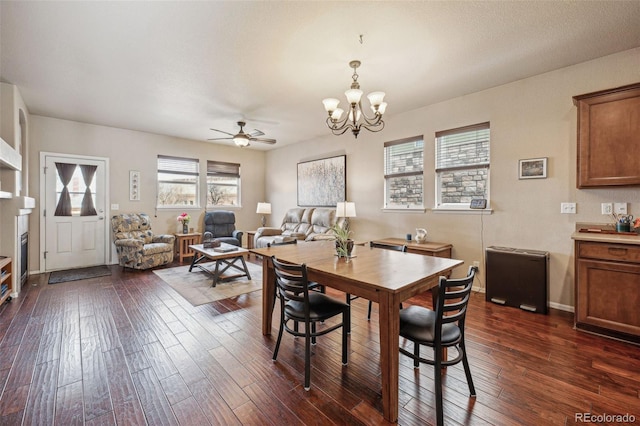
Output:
x=358 y=115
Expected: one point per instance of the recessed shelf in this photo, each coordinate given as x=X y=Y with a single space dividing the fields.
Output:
x=9 y=157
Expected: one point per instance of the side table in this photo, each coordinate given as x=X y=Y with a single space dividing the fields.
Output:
x=250 y=236
x=428 y=248
x=183 y=241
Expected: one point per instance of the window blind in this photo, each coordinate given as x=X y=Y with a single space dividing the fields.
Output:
x=178 y=165
x=219 y=168
x=465 y=147
x=403 y=157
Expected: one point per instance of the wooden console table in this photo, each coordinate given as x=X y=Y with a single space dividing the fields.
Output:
x=428 y=248
x=183 y=241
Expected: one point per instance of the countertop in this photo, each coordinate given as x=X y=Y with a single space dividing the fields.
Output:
x=603 y=237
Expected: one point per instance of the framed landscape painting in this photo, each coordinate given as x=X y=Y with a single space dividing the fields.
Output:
x=533 y=168
x=322 y=183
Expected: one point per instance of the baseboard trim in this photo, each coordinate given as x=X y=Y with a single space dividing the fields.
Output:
x=561 y=307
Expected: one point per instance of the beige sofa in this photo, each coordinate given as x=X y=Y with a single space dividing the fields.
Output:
x=308 y=224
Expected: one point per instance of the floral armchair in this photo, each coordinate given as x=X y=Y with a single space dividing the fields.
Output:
x=136 y=245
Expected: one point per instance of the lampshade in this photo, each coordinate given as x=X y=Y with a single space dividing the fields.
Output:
x=376 y=98
x=264 y=208
x=330 y=104
x=346 y=209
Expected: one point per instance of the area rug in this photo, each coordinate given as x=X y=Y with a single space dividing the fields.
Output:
x=57 y=277
x=196 y=286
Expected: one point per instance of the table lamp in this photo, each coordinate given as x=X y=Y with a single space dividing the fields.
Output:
x=346 y=209
x=264 y=209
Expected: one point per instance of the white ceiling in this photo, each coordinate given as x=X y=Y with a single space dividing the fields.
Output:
x=180 y=68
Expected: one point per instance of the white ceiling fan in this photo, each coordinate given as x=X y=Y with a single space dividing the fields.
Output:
x=241 y=138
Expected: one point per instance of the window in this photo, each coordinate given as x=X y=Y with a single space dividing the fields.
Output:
x=462 y=166
x=403 y=173
x=223 y=184
x=178 y=180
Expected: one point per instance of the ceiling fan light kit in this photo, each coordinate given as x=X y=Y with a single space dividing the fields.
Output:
x=241 y=138
x=356 y=119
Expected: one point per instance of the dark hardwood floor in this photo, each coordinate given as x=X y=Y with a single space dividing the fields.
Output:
x=127 y=349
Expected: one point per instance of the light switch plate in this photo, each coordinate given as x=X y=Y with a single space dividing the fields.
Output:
x=620 y=208
x=115 y=206
x=568 y=208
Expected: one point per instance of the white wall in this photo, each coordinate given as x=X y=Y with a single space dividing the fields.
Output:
x=132 y=150
x=530 y=118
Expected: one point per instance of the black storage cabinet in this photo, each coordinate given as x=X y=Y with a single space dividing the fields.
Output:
x=517 y=278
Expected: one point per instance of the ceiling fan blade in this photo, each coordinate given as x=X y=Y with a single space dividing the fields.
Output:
x=220 y=139
x=256 y=132
x=263 y=140
x=222 y=131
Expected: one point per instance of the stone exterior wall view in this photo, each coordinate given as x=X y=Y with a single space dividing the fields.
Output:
x=462 y=185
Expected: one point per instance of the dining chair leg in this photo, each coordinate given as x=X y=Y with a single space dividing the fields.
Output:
x=438 y=386
x=280 y=330
x=307 y=358
x=369 y=312
x=346 y=320
x=313 y=333
x=467 y=370
x=348 y=326
x=416 y=354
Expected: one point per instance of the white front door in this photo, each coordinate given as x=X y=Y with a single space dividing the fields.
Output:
x=74 y=217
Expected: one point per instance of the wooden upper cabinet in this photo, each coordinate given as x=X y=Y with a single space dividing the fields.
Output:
x=609 y=137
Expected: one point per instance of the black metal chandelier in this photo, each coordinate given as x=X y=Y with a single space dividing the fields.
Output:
x=356 y=119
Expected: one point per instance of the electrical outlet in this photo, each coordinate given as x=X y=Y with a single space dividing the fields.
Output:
x=568 y=208
x=607 y=208
x=620 y=208
x=476 y=264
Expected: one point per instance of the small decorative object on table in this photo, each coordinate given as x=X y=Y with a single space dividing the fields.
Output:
x=421 y=235
x=208 y=241
x=623 y=222
x=344 y=245
x=184 y=218
x=636 y=225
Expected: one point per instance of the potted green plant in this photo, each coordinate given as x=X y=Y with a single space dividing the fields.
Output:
x=344 y=244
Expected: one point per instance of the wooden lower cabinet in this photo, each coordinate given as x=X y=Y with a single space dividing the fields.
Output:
x=608 y=289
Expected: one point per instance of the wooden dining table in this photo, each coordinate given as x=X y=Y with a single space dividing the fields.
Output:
x=386 y=277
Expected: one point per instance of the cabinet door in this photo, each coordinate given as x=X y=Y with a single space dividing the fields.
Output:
x=608 y=137
x=608 y=296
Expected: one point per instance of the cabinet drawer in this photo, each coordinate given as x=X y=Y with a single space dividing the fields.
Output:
x=605 y=251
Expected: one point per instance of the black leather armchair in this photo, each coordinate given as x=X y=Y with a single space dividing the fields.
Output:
x=222 y=224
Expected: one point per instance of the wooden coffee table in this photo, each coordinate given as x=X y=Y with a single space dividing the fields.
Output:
x=224 y=260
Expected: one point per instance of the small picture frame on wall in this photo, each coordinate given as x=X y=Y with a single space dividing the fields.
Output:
x=134 y=185
x=532 y=168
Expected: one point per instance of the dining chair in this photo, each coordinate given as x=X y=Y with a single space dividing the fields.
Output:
x=300 y=305
x=373 y=244
x=312 y=285
x=441 y=329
